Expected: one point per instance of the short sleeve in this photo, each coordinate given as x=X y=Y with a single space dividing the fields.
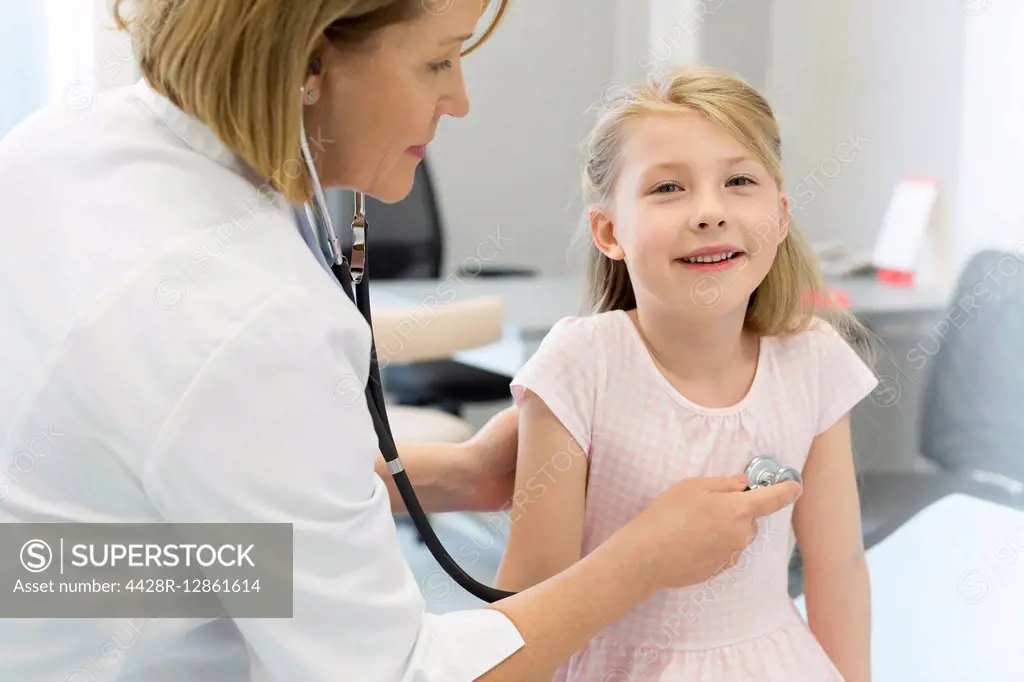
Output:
x=564 y=373
x=843 y=378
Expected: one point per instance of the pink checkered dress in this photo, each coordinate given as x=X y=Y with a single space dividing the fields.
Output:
x=641 y=435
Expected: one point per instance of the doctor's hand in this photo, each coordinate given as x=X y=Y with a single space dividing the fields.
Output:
x=700 y=526
x=488 y=462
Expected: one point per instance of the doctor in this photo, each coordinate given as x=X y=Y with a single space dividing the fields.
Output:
x=171 y=350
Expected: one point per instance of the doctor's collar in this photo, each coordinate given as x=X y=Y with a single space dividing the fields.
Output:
x=195 y=133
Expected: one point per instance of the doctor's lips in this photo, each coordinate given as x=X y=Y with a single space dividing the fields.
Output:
x=715 y=257
x=418 y=151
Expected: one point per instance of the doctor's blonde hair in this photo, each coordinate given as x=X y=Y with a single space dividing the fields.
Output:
x=794 y=294
x=238 y=65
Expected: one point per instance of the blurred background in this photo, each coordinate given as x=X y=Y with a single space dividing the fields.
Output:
x=869 y=95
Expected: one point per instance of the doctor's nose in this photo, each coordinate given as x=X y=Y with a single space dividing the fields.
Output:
x=459 y=105
x=456 y=102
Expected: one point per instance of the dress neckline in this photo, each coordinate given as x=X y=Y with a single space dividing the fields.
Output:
x=651 y=367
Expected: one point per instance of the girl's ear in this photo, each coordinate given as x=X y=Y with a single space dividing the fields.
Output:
x=602 y=230
x=783 y=217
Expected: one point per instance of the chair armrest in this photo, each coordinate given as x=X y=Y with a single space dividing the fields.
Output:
x=889 y=499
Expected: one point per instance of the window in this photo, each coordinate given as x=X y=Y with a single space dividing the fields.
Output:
x=58 y=53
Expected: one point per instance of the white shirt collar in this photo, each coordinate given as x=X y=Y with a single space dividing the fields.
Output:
x=202 y=139
x=195 y=133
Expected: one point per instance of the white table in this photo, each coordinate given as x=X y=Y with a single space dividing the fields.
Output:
x=947 y=595
x=534 y=304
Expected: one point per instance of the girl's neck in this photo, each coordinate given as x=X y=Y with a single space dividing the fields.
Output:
x=697 y=349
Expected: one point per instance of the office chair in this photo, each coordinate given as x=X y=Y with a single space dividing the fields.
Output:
x=406 y=240
x=970 y=427
x=974 y=394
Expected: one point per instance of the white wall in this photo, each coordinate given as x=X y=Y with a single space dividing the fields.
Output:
x=114 y=61
x=512 y=166
x=673 y=29
x=927 y=89
x=992 y=131
x=736 y=35
x=632 y=40
x=887 y=75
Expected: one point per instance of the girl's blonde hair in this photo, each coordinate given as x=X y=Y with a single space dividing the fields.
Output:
x=793 y=294
x=238 y=65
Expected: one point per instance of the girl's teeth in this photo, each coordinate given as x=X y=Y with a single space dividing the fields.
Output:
x=710 y=259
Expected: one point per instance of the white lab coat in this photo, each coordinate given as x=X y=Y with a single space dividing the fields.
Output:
x=171 y=350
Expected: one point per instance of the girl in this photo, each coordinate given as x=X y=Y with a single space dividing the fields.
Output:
x=705 y=350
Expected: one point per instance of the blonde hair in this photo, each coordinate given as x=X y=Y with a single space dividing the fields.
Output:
x=784 y=303
x=238 y=65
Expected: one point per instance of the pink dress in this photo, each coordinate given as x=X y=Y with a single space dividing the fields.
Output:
x=641 y=435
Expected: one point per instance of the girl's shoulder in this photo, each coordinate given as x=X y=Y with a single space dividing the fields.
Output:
x=820 y=337
x=588 y=333
x=824 y=361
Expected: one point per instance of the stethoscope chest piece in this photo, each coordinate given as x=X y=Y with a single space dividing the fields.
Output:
x=763 y=471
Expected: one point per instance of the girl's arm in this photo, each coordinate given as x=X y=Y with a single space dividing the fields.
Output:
x=546 y=516
x=826 y=521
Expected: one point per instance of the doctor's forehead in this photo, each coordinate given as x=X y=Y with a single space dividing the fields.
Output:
x=450 y=23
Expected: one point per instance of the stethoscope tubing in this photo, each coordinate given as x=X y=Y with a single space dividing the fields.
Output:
x=356 y=286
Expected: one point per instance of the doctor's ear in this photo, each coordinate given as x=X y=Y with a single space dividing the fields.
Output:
x=602 y=229
x=314 y=76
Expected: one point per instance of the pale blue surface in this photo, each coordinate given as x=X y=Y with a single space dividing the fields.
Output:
x=24 y=62
x=947 y=595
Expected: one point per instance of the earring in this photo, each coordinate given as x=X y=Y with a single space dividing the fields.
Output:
x=315 y=68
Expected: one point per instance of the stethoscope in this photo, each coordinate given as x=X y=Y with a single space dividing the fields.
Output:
x=763 y=471
x=352 y=274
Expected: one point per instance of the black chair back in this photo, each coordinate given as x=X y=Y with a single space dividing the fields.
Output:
x=404 y=239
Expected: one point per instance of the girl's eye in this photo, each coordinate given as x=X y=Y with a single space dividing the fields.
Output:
x=666 y=187
x=746 y=181
x=437 y=67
